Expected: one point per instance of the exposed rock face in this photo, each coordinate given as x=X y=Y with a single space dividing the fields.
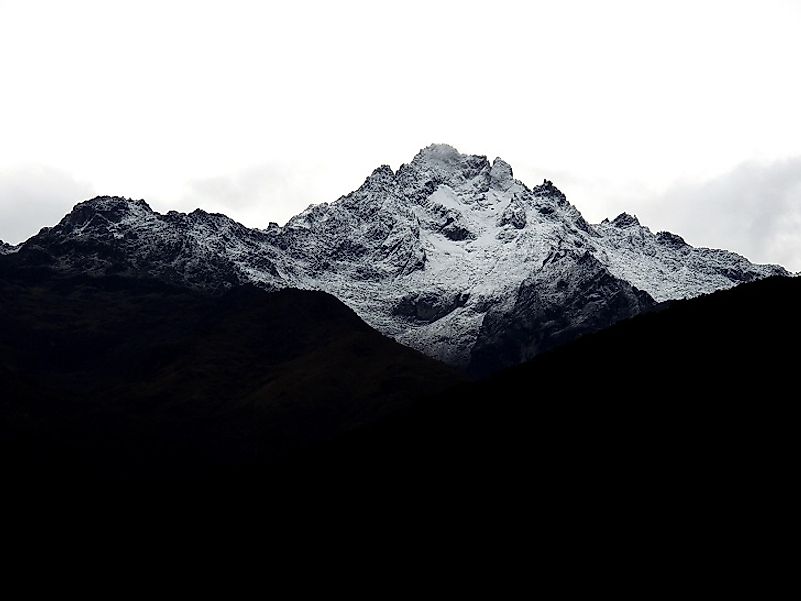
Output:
x=571 y=295
x=6 y=249
x=624 y=220
x=449 y=254
x=671 y=240
x=111 y=235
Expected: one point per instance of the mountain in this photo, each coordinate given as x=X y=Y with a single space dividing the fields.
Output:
x=449 y=255
x=6 y=249
x=680 y=418
x=118 y=377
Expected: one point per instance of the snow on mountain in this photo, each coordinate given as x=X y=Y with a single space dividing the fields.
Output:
x=449 y=254
x=666 y=266
x=6 y=249
x=112 y=235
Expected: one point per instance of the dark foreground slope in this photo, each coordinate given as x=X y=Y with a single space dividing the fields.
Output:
x=689 y=408
x=113 y=377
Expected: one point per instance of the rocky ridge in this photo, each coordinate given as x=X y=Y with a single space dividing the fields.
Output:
x=450 y=255
x=6 y=249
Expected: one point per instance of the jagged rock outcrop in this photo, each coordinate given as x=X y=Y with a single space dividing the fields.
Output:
x=6 y=249
x=449 y=254
x=118 y=236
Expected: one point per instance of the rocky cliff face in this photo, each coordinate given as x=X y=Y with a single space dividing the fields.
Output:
x=449 y=254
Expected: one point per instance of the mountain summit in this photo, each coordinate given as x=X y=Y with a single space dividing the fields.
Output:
x=450 y=255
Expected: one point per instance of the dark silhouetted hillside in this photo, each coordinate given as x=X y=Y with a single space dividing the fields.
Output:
x=112 y=377
x=690 y=408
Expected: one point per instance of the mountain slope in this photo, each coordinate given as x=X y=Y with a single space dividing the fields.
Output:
x=683 y=415
x=116 y=377
x=571 y=295
x=432 y=255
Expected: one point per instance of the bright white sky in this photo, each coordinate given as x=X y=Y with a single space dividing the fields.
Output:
x=683 y=112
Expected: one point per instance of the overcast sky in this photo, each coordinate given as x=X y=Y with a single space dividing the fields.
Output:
x=685 y=113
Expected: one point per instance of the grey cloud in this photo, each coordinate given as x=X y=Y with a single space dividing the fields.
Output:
x=242 y=189
x=258 y=194
x=32 y=197
x=755 y=210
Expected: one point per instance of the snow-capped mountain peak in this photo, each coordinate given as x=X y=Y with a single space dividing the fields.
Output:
x=439 y=156
x=449 y=254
